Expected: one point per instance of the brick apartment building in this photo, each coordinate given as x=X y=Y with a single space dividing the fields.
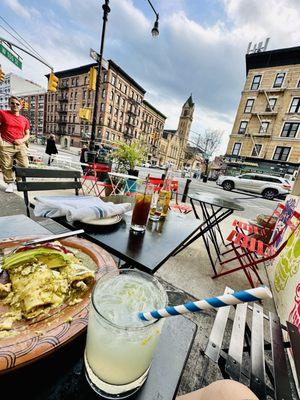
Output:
x=123 y=114
x=36 y=112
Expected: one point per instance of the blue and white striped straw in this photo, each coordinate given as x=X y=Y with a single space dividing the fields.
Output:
x=244 y=296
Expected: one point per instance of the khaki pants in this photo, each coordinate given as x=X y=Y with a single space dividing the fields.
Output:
x=9 y=153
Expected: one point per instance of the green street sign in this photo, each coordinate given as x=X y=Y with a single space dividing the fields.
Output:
x=15 y=60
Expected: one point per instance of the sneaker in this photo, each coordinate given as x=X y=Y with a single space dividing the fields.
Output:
x=10 y=188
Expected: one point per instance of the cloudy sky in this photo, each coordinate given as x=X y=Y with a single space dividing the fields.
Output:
x=200 y=50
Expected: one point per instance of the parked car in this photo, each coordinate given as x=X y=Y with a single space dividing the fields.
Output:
x=267 y=185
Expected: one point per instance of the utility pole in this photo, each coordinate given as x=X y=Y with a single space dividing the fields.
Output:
x=91 y=154
x=106 y=10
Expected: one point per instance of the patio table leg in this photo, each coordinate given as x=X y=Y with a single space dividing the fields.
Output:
x=205 y=227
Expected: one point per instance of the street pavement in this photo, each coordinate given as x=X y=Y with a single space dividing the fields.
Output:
x=253 y=204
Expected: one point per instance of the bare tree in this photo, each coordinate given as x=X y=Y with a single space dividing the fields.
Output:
x=208 y=142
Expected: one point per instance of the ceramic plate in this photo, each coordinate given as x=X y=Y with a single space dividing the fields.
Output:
x=36 y=339
x=103 y=221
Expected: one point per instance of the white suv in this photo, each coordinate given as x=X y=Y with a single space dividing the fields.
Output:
x=266 y=185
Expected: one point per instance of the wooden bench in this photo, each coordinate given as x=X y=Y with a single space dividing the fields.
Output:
x=28 y=186
x=245 y=358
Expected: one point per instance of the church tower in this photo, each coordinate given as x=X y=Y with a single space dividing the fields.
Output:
x=186 y=119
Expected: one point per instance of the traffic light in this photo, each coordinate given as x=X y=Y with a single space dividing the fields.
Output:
x=92 y=78
x=84 y=113
x=2 y=75
x=52 y=83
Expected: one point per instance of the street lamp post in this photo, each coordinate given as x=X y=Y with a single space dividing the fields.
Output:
x=106 y=10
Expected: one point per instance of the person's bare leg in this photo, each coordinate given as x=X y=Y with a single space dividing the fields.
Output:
x=221 y=390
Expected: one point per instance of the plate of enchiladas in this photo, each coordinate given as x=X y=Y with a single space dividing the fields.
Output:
x=45 y=291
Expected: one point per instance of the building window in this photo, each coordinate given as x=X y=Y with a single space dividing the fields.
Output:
x=110 y=109
x=279 y=80
x=249 y=105
x=117 y=98
x=295 y=106
x=111 y=95
x=243 y=127
x=103 y=93
x=281 y=153
x=73 y=81
x=263 y=127
x=256 y=150
x=102 y=107
x=236 y=149
x=255 y=82
x=107 y=135
x=290 y=129
x=271 y=105
x=298 y=84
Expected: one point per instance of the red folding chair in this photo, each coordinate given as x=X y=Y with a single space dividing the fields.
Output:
x=90 y=180
x=157 y=183
x=251 y=251
x=181 y=207
x=252 y=228
x=255 y=228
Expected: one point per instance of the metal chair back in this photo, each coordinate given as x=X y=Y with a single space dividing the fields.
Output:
x=28 y=186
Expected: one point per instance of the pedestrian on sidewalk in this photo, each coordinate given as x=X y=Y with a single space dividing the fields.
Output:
x=14 y=132
x=82 y=158
x=51 y=148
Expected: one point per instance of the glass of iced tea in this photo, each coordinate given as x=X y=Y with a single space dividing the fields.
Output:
x=143 y=200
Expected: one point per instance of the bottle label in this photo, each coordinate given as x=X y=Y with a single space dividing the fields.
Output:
x=164 y=198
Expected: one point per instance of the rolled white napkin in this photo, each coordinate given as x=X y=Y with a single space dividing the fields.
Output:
x=77 y=208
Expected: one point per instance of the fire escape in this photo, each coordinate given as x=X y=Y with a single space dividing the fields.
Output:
x=269 y=111
x=62 y=111
x=131 y=120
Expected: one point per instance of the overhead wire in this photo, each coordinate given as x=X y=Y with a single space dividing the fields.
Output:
x=24 y=42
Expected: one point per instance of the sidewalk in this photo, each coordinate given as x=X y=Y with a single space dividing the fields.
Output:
x=41 y=148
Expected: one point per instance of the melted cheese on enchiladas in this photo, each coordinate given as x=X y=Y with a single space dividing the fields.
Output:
x=40 y=279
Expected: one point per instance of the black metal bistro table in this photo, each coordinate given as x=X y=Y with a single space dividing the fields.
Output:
x=60 y=376
x=214 y=210
x=146 y=251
